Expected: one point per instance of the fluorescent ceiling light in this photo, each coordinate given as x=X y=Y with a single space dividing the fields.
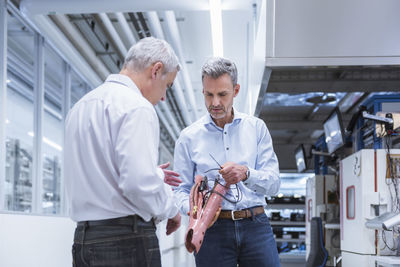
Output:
x=216 y=27
x=48 y=142
x=52 y=144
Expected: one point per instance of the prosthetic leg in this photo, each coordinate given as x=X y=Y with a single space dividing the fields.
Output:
x=204 y=206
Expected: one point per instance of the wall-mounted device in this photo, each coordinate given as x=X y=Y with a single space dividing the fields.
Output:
x=334 y=131
x=384 y=221
x=301 y=158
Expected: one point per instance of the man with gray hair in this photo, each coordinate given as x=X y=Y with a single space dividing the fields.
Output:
x=115 y=190
x=236 y=150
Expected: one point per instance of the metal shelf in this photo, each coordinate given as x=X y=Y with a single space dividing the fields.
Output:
x=292 y=256
x=286 y=206
x=290 y=240
x=332 y=226
x=287 y=223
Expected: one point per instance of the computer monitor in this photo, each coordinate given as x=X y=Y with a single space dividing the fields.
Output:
x=334 y=132
x=301 y=161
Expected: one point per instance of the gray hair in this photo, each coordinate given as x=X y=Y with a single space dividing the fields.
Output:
x=215 y=67
x=151 y=50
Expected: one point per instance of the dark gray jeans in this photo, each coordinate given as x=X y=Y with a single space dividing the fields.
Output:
x=125 y=242
x=247 y=243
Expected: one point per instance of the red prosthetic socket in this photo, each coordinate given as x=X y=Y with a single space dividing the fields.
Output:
x=202 y=215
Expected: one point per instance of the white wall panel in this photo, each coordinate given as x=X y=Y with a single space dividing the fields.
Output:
x=330 y=29
x=35 y=241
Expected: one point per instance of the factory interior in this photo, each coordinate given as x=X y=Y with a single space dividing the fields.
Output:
x=324 y=76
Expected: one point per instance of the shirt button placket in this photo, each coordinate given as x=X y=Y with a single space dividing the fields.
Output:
x=226 y=140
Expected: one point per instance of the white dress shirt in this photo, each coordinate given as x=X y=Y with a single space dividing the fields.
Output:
x=111 y=154
x=245 y=141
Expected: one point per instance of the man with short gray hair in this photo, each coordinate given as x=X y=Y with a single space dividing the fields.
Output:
x=236 y=150
x=115 y=190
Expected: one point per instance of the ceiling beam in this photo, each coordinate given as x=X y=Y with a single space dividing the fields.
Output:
x=320 y=118
x=176 y=42
x=47 y=7
x=156 y=30
x=70 y=54
x=298 y=87
x=125 y=28
x=78 y=40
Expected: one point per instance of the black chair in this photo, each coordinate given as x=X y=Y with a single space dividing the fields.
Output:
x=318 y=254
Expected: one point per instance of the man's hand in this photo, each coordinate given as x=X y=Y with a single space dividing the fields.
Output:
x=170 y=177
x=233 y=173
x=173 y=224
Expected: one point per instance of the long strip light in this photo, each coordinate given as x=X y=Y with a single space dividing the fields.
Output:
x=48 y=142
x=216 y=27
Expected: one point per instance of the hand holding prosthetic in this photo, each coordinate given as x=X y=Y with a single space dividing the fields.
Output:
x=205 y=206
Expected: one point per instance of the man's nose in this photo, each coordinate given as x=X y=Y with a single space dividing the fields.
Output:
x=215 y=101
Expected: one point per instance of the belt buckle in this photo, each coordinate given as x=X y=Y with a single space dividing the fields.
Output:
x=233 y=216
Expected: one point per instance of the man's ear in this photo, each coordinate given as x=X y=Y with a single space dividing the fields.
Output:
x=156 y=69
x=236 y=90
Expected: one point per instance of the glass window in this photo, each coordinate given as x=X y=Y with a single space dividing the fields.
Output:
x=78 y=88
x=19 y=127
x=351 y=202
x=19 y=117
x=52 y=132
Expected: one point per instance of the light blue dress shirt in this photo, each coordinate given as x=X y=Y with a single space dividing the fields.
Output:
x=246 y=141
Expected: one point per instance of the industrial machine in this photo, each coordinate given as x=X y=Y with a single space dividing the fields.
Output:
x=366 y=131
x=368 y=189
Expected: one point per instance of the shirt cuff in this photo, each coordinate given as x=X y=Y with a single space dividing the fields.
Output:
x=250 y=181
x=174 y=210
x=160 y=173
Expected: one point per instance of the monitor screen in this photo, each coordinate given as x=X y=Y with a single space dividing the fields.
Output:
x=334 y=133
x=300 y=159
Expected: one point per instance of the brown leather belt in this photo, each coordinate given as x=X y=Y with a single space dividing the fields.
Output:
x=240 y=214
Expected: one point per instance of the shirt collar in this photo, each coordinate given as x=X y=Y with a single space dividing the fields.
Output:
x=237 y=117
x=124 y=80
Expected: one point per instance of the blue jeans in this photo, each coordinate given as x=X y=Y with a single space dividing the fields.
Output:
x=116 y=245
x=247 y=242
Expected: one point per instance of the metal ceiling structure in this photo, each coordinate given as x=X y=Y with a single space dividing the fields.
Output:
x=292 y=120
x=294 y=100
x=95 y=43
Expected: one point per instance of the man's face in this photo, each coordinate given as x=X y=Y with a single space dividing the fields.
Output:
x=218 y=95
x=161 y=83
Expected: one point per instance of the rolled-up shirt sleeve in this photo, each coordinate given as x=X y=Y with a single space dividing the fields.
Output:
x=136 y=154
x=264 y=176
x=186 y=168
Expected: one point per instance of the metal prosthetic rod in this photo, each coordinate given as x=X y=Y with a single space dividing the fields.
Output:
x=204 y=206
